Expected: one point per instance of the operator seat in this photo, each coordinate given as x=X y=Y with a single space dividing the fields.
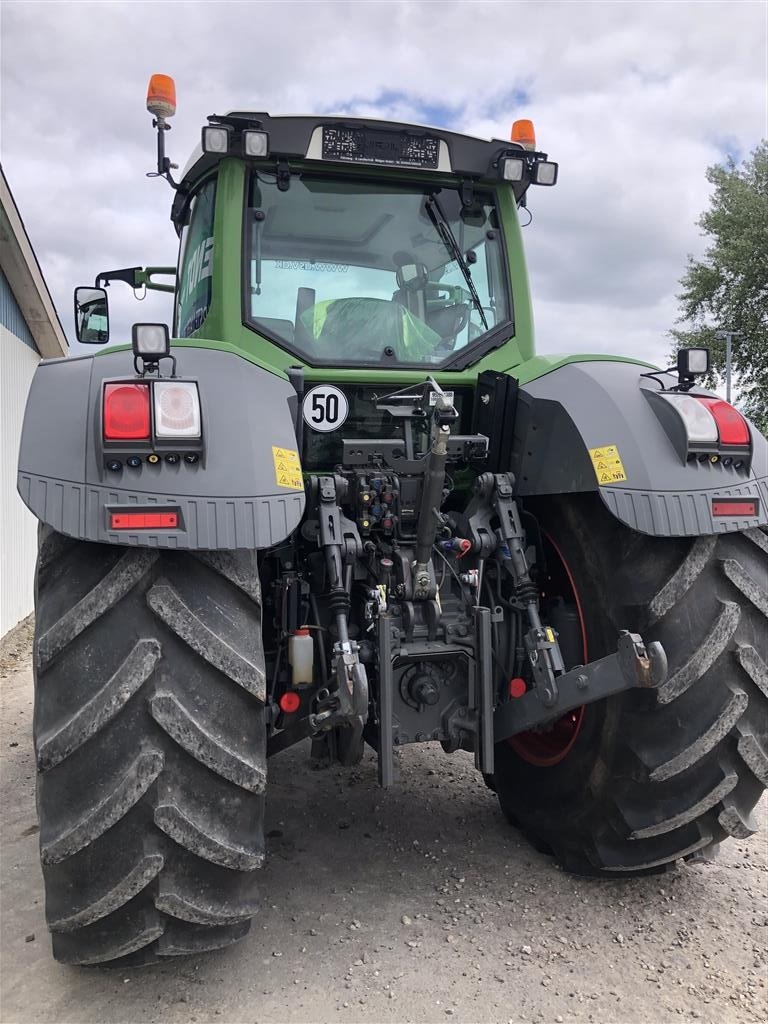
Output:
x=361 y=328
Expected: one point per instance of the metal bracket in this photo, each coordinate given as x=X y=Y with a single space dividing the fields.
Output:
x=347 y=704
x=484 y=739
x=635 y=664
x=494 y=498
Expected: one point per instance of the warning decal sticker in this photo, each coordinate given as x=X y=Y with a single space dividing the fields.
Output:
x=287 y=468
x=609 y=468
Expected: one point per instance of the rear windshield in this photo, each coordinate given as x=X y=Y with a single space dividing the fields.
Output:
x=360 y=273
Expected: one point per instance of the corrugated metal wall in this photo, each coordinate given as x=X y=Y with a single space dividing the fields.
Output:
x=18 y=527
x=10 y=314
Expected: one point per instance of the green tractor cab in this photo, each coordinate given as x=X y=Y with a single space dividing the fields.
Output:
x=342 y=501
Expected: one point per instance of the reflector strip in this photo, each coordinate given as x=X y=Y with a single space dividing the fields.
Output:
x=729 y=507
x=731 y=425
x=144 y=520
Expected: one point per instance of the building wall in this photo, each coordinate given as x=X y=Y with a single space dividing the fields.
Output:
x=18 y=527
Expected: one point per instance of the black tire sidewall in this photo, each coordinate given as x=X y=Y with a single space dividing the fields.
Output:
x=593 y=545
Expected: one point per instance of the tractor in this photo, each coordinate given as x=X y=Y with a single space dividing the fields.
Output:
x=342 y=502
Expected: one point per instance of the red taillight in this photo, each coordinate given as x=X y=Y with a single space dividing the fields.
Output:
x=126 y=412
x=731 y=425
x=144 y=521
x=731 y=507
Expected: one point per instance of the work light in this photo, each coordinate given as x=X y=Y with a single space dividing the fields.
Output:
x=215 y=139
x=545 y=173
x=512 y=169
x=150 y=341
x=692 y=362
x=255 y=143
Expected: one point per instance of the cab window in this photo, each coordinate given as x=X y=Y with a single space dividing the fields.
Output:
x=196 y=264
x=353 y=272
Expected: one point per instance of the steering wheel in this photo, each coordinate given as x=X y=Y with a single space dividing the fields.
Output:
x=461 y=313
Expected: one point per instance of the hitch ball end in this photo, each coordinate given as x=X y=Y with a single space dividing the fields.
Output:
x=644 y=666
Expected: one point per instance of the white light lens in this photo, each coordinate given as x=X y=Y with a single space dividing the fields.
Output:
x=256 y=143
x=545 y=173
x=215 y=140
x=177 y=409
x=150 y=340
x=699 y=422
x=698 y=360
x=513 y=169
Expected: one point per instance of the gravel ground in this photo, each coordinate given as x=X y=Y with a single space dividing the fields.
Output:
x=16 y=647
x=418 y=904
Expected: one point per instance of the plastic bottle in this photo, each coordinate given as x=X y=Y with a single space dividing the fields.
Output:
x=301 y=651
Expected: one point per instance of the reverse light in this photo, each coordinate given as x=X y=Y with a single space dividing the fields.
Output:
x=731 y=425
x=161 y=96
x=255 y=143
x=177 y=409
x=524 y=134
x=215 y=140
x=700 y=425
x=126 y=412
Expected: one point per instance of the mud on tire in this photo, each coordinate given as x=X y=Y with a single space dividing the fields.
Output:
x=151 y=749
x=655 y=777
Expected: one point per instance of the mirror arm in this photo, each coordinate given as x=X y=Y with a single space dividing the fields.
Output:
x=145 y=276
x=129 y=275
x=135 y=277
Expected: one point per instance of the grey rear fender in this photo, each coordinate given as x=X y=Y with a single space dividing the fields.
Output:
x=565 y=415
x=229 y=498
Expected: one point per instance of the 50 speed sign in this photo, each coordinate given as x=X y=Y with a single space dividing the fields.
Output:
x=325 y=407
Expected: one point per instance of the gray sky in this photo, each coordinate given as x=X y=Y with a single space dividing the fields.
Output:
x=634 y=100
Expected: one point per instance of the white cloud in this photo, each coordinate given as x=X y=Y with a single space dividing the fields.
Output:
x=634 y=100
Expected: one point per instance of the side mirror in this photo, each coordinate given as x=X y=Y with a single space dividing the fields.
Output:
x=91 y=316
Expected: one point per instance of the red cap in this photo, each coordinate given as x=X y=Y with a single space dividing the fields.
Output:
x=289 y=702
x=517 y=687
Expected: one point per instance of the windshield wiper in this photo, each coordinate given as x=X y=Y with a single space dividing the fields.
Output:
x=443 y=228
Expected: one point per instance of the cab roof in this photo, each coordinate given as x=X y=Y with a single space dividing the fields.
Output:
x=357 y=141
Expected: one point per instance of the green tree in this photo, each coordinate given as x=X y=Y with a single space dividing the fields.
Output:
x=728 y=287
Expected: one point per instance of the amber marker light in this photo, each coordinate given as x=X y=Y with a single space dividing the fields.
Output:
x=524 y=134
x=161 y=96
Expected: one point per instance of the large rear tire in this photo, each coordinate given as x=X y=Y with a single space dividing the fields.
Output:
x=151 y=748
x=654 y=777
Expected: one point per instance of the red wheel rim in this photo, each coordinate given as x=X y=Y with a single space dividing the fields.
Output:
x=546 y=748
